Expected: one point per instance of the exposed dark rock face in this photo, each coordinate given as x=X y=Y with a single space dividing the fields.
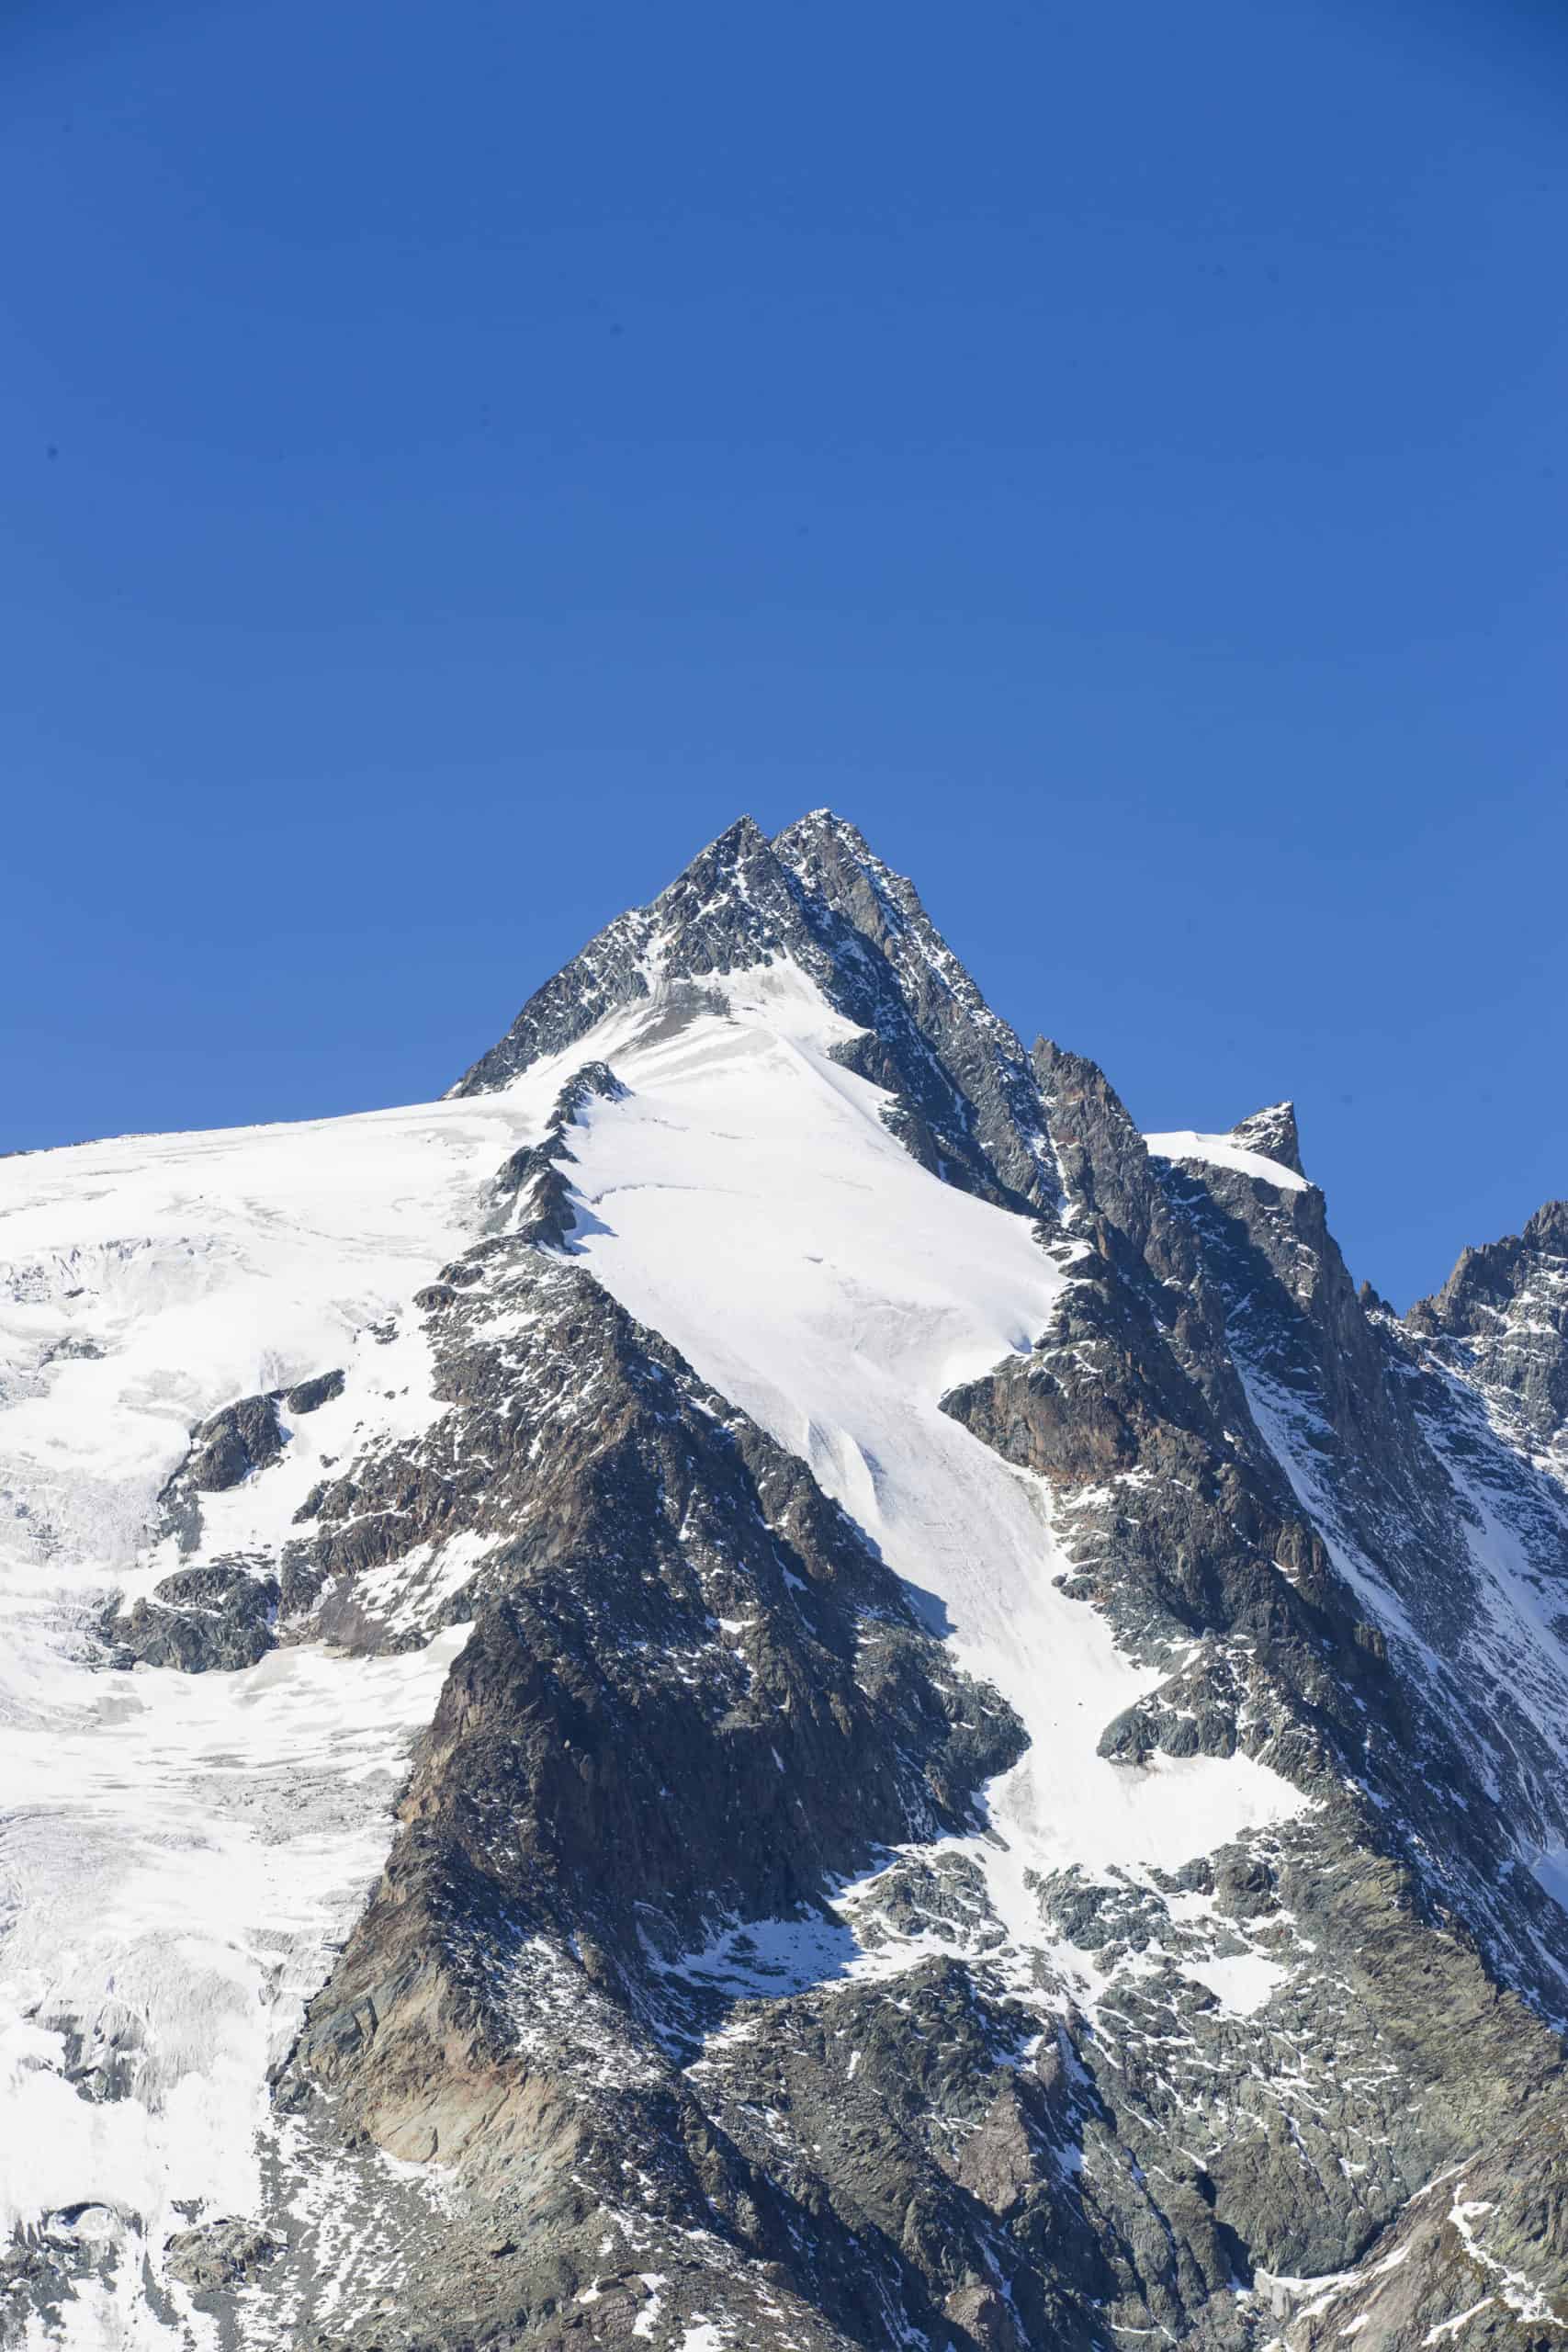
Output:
x=224 y=2254
x=1377 y=1468
x=532 y=1195
x=678 y=1518
x=691 y=2007
x=1504 y=1312
x=235 y=1444
x=1189 y=1530
x=693 y=1696
x=966 y=1103
x=243 y=1437
x=312 y=1395
x=198 y=1619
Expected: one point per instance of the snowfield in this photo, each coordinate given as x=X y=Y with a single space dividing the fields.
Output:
x=1223 y=1152
x=180 y=1855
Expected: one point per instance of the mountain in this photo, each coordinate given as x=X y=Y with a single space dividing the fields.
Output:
x=764 y=1681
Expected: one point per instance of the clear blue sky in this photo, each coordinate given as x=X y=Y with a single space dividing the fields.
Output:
x=456 y=459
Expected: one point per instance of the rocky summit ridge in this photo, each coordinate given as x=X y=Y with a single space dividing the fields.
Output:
x=816 y=900
x=765 y=1681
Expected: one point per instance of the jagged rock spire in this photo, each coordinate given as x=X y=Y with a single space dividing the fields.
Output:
x=1507 y=1302
x=1272 y=1132
x=1488 y=1280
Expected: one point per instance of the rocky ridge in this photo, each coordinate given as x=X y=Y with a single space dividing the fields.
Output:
x=817 y=899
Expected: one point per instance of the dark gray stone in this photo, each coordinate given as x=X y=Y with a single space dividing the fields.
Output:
x=244 y=1437
x=201 y=1619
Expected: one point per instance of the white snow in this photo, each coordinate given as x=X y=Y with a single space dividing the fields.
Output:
x=1223 y=1152
x=200 y=1269
x=179 y=1855
x=1241 y=1981
x=184 y=1857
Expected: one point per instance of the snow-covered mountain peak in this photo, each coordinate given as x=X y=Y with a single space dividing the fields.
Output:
x=817 y=899
x=1273 y=1133
x=730 y=909
x=1227 y=1151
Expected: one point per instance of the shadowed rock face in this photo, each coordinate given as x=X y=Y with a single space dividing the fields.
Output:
x=199 y=1619
x=242 y=1438
x=641 y=1520
x=684 y=2011
x=1133 y=1407
x=312 y=1395
x=693 y=1694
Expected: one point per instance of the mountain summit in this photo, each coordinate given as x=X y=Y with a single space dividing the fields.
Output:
x=817 y=904
x=763 y=1682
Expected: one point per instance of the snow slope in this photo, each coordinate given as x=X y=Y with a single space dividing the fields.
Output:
x=179 y=1854
x=747 y=1199
x=1223 y=1152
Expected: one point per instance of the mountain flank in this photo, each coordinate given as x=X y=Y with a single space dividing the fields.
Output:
x=765 y=1681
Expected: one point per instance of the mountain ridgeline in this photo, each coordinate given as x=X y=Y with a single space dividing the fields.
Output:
x=983 y=1759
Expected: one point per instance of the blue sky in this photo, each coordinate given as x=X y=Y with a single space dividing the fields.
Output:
x=456 y=460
